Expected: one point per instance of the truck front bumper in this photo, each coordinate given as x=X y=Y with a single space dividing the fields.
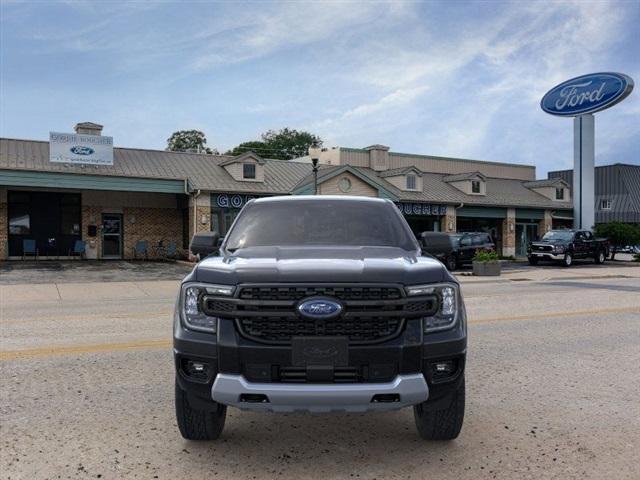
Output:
x=547 y=256
x=403 y=391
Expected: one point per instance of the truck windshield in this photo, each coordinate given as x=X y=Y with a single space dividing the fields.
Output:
x=558 y=235
x=320 y=222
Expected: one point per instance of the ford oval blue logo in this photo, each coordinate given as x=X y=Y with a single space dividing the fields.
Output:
x=319 y=308
x=587 y=94
x=79 y=150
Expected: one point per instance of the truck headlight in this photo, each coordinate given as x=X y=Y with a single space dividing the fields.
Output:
x=448 y=305
x=192 y=314
x=559 y=248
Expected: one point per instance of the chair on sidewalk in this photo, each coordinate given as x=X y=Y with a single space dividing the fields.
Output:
x=29 y=248
x=172 y=249
x=80 y=249
x=142 y=249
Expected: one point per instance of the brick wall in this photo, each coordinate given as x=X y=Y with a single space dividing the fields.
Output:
x=509 y=233
x=152 y=225
x=91 y=215
x=545 y=224
x=450 y=224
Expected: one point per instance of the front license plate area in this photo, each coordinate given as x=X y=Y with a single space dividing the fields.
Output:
x=327 y=351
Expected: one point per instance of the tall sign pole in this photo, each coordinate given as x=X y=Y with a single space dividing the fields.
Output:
x=580 y=97
x=583 y=171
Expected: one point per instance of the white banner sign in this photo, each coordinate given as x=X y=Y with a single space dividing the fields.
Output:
x=74 y=148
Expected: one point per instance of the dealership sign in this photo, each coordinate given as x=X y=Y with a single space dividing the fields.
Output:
x=225 y=200
x=80 y=149
x=409 y=208
x=587 y=94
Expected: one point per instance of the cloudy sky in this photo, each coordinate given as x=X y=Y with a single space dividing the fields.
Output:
x=460 y=79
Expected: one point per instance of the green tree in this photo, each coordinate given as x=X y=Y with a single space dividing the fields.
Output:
x=188 y=141
x=619 y=234
x=257 y=147
x=283 y=144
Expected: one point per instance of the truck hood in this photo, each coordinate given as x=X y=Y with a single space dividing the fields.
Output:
x=321 y=265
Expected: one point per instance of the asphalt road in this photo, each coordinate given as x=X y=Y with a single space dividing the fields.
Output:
x=552 y=392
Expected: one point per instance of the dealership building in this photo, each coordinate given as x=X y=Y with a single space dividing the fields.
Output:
x=79 y=187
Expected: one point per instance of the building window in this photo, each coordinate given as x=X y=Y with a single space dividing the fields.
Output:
x=475 y=186
x=559 y=193
x=344 y=185
x=249 y=171
x=411 y=182
x=19 y=213
x=605 y=204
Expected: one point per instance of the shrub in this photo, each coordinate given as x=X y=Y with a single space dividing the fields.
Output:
x=483 y=256
x=619 y=234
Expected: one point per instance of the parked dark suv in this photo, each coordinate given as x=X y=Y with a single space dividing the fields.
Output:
x=318 y=304
x=455 y=249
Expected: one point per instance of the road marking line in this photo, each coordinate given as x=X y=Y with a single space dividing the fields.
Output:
x=69 y=350
x=574 y=313
x=94 y=316
x=115 y=347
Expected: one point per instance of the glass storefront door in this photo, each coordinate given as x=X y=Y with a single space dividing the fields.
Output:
x=112 y=235
x=525 y=233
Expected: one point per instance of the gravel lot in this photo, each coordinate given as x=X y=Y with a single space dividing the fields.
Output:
x=553 y=386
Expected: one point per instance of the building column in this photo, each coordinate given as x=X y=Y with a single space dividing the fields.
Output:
x=450 y=220
x=509 y=234
x=545 y=224
x=200 y=216
x=4 y=227
x=91 y=217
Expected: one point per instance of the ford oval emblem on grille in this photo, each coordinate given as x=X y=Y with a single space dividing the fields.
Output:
x=319 y=308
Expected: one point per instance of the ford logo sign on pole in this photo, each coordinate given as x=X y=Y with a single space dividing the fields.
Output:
x=319 y=308
x=580 y=97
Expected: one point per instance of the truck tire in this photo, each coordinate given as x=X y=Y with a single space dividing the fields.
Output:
x=533 y=260
x=600 y=257
x=444 y=423
x=568 y=260
x=451 y=263
x=196 y=424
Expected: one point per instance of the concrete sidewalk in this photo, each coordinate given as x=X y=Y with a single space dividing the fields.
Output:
x=543 y=273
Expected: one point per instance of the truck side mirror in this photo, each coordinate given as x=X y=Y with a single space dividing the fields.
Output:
x=204 y=244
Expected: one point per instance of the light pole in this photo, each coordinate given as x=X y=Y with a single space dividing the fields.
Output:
x=314 y=153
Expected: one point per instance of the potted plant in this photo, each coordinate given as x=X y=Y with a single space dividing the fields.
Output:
x=486 y=264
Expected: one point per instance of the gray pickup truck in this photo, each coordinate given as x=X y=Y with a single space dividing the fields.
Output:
x=318 y=304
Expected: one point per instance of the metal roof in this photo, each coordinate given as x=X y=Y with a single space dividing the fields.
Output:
x=620 y=184
x=201 y=170
x=463 y=176
x=206 y=172
x=547 y=182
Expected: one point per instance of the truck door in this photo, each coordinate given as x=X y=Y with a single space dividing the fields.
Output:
x=580 y=245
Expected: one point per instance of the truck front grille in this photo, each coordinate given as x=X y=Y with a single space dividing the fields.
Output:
x=357 y=329
x=343 y=293
x=268 y=313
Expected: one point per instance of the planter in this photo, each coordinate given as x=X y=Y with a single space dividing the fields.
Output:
x=486 y=269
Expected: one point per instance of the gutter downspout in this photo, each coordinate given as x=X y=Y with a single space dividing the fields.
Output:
x=456 y=208
x=195 y=196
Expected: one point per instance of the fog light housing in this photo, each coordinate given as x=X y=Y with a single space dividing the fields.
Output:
x=443 y=369
x=196 y=370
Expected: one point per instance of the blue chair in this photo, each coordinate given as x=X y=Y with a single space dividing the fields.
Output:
x=172 y=249
x=29 y=248
x=142 y=249
x=80 y=249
